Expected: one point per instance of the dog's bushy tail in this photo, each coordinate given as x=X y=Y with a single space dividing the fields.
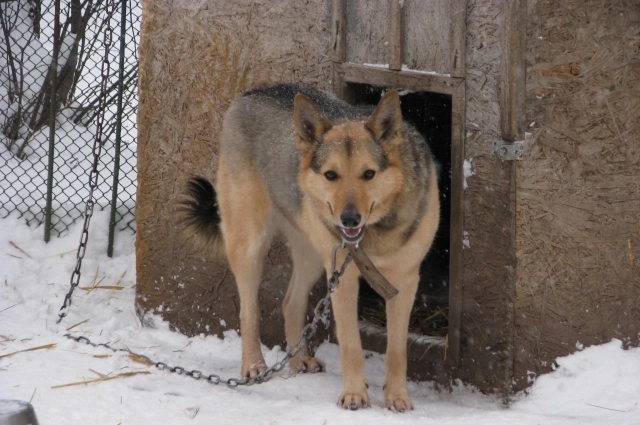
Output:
x=200 y=216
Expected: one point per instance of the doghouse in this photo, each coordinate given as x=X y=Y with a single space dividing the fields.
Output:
x=533 y=109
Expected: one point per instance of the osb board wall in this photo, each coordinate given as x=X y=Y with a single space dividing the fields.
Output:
x=425 y=37
x=195 y=58
x=578 y=196
x=488 y=262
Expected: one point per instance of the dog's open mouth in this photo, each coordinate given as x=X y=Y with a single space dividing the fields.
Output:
x=351 y=234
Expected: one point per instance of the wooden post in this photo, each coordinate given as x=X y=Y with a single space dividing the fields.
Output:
x=339 y=45
x=456 y=230
x=512 y=84
x=458 y=37
x=458 y=101
x=395 y=36
x=512 y=115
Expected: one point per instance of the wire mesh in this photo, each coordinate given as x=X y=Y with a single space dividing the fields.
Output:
x=26 y=54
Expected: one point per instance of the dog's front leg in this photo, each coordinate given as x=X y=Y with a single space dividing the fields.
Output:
x=345 y=309
x=399 y=309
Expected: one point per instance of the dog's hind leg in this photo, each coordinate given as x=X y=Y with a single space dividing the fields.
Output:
x=246 y=212
x=307 y=268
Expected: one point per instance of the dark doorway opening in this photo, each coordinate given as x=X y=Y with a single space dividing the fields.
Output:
x=430 y=113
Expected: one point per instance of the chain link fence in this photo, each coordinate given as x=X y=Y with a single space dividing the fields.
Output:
x=40 y=108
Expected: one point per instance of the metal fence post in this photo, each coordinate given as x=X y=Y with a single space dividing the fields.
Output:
x=52 y=121
x=116 y=159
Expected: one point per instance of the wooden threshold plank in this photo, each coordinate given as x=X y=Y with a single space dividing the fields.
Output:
x=407 y=79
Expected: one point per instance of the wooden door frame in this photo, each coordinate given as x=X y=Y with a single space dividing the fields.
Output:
x=452 y=84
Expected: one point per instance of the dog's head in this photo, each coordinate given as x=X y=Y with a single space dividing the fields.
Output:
x=350 y=169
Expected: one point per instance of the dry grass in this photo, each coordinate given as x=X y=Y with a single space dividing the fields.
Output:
x=428 y=316
x=40 y=347
x=13 y=244
x=101 y=378
x=78 y=324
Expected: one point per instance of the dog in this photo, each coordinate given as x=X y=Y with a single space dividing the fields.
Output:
x=298 y=161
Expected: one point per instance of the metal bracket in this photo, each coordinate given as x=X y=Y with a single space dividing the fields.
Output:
x=509 y=151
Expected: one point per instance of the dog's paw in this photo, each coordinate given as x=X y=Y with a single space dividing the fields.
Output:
x=354 y=400
x=253 y=369
x=306 y=364
x=398 y=402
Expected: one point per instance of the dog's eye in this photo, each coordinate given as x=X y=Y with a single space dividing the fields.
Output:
x=368 y=174
x=331 y=175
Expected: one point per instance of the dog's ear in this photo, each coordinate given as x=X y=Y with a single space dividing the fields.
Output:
x=309 y=122
x=386 y=120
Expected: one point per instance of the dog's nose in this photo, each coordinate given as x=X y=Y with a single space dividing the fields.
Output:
x=350 y=218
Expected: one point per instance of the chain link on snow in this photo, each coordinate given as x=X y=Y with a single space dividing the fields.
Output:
x=321 y=311
x=320 y=314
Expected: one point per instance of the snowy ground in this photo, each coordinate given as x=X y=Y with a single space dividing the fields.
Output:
x=600 y=385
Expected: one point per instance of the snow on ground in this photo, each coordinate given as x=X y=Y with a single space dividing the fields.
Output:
x=599 y=385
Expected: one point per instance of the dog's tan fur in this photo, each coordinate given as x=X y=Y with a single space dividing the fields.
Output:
x=250 y=217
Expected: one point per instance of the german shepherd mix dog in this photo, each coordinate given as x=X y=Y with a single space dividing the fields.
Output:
x=298 y=161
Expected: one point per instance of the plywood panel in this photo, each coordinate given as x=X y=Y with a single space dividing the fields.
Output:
x=488 y=266
x=578 y=197
x=195 y=58
x=427 y=35
x=368 y=31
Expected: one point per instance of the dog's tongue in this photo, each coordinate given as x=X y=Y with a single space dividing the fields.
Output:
x=352 y=233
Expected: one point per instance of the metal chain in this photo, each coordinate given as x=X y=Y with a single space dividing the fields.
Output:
x=321 y=310
x=87 y=341
x=93 y=175
x=320 y=313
